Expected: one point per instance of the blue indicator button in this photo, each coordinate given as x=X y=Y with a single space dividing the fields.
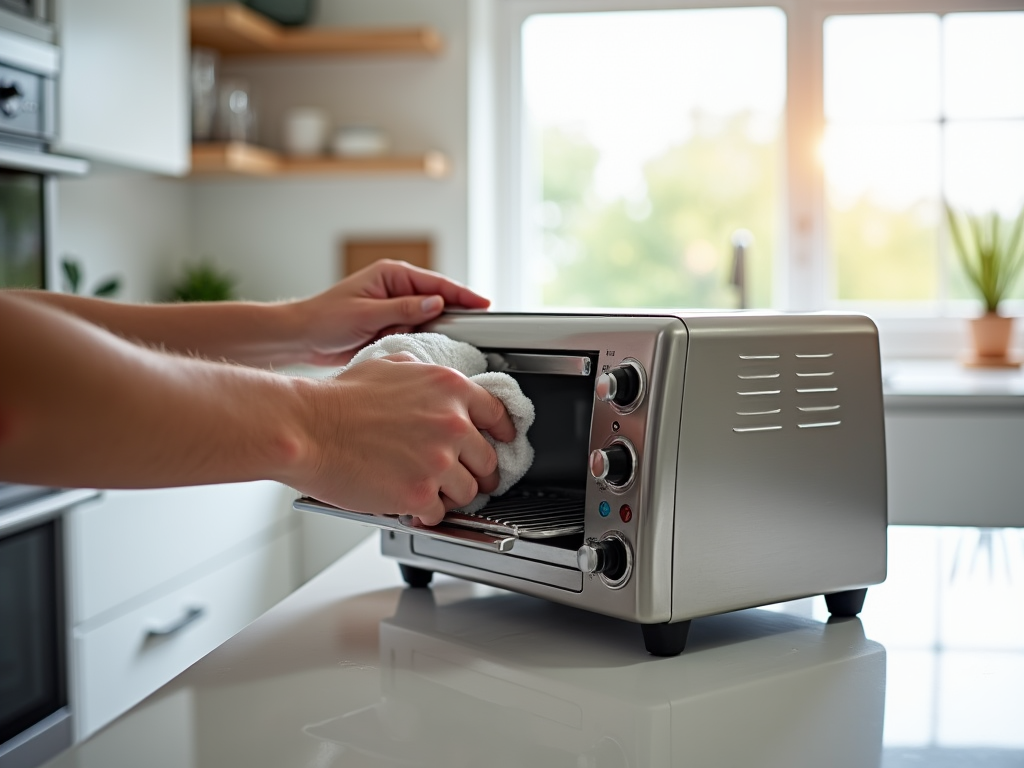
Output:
x=605 y=509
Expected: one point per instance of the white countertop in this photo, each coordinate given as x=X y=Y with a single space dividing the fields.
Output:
x=354 y=670
x=948 y=382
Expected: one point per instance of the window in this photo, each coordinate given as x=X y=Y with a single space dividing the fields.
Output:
x=654 y=137
x=640 y=141
x=934 y=112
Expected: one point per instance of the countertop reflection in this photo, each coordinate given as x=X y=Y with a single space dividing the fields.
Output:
x=354 y=670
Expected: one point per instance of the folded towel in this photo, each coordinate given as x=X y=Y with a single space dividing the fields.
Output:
x=428 y=348
x=514 y=458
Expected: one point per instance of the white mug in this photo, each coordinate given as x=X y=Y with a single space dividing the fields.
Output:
x=305 y=131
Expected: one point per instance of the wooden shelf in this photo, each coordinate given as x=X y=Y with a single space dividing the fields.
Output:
x=235 y=30
x=238 y=159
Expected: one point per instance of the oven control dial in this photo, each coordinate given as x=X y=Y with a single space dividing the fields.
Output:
x=622 y=386
x=10 y=98
x=609 y=556
x=614 y=464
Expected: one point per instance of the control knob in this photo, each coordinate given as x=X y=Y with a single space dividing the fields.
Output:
x=608 y=557
x=622 y=385
x=10 y=98
x=613 y=464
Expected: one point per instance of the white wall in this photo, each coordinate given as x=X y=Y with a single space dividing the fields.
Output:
x=282 y=237
x=132 y=225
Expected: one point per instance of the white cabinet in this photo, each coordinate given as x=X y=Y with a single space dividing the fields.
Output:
x=954 y=437
x=953 y=465
x=123 y=87
x=129 y=657
x=160 y=578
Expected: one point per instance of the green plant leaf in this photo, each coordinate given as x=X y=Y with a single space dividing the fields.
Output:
x=107 y=288
x=72 y=274
x=204 y=282
x=991 y=260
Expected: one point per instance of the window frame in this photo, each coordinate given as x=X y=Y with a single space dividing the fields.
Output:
x=803 y=273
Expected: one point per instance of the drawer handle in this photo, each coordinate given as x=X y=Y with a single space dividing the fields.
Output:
x=191 y=615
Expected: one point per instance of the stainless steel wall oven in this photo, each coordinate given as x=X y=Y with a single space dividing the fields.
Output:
x=35 y=719
x=28 y=73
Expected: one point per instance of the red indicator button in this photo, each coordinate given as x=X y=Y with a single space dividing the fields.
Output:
x=625 y=513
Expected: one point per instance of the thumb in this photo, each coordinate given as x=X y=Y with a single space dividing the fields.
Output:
x=406 y=310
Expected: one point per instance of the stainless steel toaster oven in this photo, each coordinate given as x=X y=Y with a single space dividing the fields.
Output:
x=687 y=464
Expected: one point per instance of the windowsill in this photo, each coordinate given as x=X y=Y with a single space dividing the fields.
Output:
x=948 y=384
x=932 y=338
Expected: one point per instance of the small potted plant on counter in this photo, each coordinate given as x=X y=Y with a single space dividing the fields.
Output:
x=991 y=255
x=203 y=282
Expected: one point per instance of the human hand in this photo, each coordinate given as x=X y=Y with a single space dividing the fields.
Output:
x=384 y=298
x=395 y=436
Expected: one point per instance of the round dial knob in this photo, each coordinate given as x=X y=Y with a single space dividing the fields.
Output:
x=607 y=556
x=619 y=385
x=613 y=464
x=10 y=98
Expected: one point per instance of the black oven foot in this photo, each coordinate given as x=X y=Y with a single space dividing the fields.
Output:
x=848 y=603
x=416 y=577
x=665 y=639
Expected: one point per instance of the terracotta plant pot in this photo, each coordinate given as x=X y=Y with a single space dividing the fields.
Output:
x=990 y=335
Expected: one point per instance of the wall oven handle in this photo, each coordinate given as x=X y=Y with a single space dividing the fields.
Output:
x=450 y=533
x=42 y=162
x=191 y=615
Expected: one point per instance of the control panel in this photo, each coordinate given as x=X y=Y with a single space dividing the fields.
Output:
x=622 y=385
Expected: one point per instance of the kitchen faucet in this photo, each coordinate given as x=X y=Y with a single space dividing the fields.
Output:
x=742 y=239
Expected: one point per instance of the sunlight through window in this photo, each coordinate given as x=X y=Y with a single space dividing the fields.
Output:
x=652 y=137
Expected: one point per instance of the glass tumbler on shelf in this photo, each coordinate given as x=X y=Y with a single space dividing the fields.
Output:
x=204 y=93
x=236 y=114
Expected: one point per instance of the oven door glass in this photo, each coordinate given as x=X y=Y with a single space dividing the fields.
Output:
x=32 y=671
x=21 y=230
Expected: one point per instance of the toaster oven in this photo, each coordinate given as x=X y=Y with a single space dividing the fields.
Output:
x=686 y=464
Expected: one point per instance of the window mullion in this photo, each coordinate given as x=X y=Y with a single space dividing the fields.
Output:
x=803 y=278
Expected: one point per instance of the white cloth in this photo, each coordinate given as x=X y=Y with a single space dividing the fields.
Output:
x=514 y=458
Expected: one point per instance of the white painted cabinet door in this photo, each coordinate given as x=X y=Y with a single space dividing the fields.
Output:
x=123 y=88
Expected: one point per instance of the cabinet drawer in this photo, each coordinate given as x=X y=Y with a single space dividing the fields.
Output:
x=955 y=468
x=131 y=542
x=119 y=663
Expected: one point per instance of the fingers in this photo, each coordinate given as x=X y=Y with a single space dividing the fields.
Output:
x=403 y=312
x=400 y=357
x=479 y=458
x=402 y=279
x=488 y=413
x=490 y=483
x=433 y=513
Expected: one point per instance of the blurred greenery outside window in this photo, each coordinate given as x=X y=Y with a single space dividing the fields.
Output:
x=652 y=136
x=935 y=111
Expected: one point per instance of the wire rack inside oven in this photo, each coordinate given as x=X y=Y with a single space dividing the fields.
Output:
x=527 y=514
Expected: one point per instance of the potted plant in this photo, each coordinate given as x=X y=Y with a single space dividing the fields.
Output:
x=991 y=255
x=204 y=282
x=73 y=276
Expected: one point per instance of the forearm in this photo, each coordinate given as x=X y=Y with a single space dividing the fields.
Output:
x=244 y=332
x=81 y=407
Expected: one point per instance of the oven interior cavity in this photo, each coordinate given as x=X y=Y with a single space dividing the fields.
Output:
x=547 y=505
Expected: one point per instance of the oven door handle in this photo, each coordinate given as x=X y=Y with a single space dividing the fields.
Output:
x=405 y=524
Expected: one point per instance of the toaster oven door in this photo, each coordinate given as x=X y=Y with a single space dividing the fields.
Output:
x=547 y=506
